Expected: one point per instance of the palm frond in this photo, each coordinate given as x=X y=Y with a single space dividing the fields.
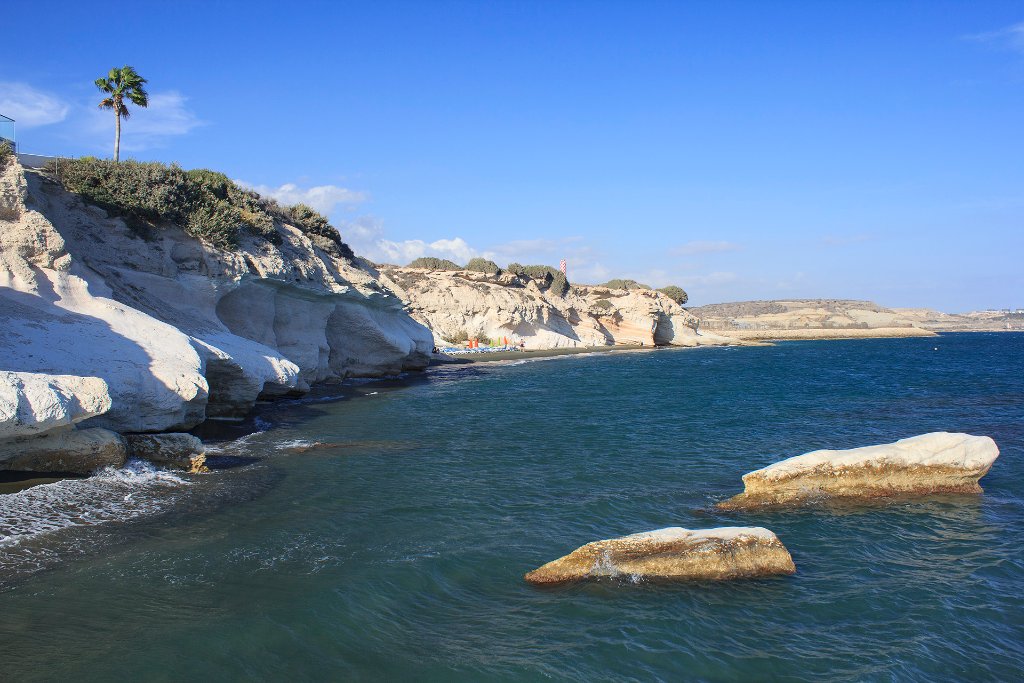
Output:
x=139 y=97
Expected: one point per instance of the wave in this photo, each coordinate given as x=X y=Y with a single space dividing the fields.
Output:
x=110 y=495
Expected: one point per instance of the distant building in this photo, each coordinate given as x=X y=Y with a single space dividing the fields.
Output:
x=7 y=132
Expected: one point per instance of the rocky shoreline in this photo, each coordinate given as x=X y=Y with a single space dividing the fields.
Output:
x=117 y=331
x=113 y=331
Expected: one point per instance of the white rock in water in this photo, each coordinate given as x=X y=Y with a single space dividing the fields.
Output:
x=673 y=553
x=939 y=462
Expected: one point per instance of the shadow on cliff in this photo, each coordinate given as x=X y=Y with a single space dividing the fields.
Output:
x=41 y=337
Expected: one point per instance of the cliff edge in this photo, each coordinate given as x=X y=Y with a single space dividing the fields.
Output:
x=460 y=304
x=110 y=327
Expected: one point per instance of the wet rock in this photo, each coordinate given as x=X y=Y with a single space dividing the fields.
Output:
x=79 y=451
x=673 y=553
x=939 y=462
x=177 y=451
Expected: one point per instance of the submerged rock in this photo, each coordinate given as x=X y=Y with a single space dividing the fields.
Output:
x=674 y=553
x=939 y=462
x=178 y=451
x=78 y=451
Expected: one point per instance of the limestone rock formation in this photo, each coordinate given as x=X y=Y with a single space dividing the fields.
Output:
x=939 y=462
x=177 y=451
x=33 y=403
x=104 y=326
x=78 y=451
x=466 y=303
x=673 y=553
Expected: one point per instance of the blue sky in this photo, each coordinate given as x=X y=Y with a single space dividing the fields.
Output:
x=741 y=150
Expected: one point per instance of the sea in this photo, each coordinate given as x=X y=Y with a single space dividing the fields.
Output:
x=380 y=530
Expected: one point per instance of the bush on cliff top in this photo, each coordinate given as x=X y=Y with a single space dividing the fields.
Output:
x=6 y=153
x=546 y=277
x=319 y=230
x=206 y=204
x=432 y=263
x=620 y=283
x=482 y=265
x=675 y=293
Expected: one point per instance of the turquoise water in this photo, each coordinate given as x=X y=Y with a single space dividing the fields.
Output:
x=398 y=552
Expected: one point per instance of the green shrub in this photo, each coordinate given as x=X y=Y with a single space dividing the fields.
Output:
x=213 y=182
x=559 y=284
x=619 y=283
x=546 y=277
x=319 y=230
x=216 y=223
x=677 y=294
x=604 y=304
x=482 y=265
x=5 y=154
x=309 y=220
x=432 y=263
x=206 y=204
x=540 y=272
x=459 y=337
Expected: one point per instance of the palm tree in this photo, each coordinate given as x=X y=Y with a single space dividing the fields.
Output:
x=121 y=84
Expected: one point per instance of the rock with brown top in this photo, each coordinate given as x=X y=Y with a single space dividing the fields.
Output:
x=940 y=462
x=671 y=554
x=178 y=451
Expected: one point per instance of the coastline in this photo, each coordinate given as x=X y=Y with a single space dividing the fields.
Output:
x=740 y=337
x=439 y=359
x=826 y=333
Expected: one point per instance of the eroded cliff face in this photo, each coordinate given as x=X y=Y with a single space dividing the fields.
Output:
x=107 y=328
x=457 y=303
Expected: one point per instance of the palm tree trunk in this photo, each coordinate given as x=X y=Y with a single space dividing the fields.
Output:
x=117 y=135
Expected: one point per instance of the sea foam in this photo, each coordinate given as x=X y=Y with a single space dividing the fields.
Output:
x=110 y=495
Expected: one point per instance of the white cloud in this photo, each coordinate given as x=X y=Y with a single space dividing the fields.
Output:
x=704 y=247
x=1011 y=37
x=30 y=107
x=323 y=198
x=166 y=116
x=367 y=237
x=455 y=249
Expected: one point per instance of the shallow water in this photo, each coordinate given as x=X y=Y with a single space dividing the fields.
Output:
x=396 y=548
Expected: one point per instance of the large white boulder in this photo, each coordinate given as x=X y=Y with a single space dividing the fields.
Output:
x=939 y=462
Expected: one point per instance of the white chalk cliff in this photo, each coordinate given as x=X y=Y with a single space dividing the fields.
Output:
x=105 y=329
x=457 y=304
